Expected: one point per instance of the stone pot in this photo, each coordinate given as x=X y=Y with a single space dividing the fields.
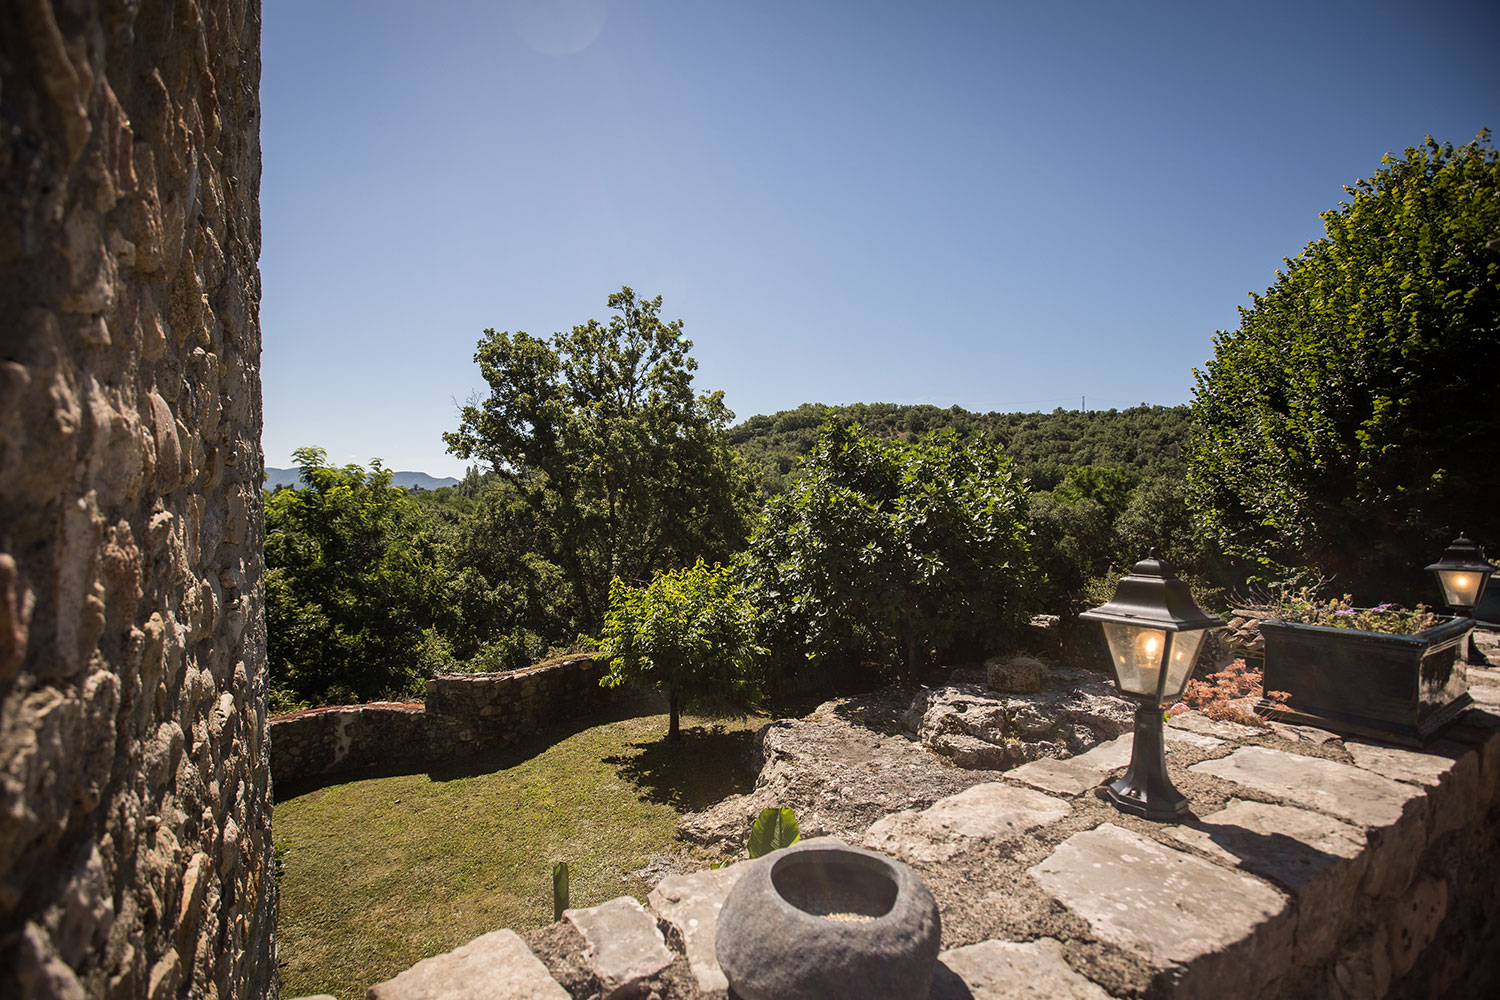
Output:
x=824 y=921
x=1378 y=685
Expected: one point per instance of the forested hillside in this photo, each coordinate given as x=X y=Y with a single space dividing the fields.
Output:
x=1337 y=432
x=1148 y=441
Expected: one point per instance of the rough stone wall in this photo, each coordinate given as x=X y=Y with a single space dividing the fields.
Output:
x=346 y=738
x=464 y=715
x=135 y=849
x=471 y=712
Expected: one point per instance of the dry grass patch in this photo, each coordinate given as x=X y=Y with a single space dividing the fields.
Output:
x=383 y=872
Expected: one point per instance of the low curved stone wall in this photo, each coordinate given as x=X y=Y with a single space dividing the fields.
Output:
x=471 y=712
x=464 y=714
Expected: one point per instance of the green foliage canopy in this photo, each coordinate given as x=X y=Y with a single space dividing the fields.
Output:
x=601 y=436
x=1145 y=441
x=1349 y=424
x=883 y=552
x=351 y=586
x=690 y=633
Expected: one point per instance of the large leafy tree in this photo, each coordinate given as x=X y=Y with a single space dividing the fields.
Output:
x=883 y=552
x=600 y=434
x=352 y=586
x=1349 y=424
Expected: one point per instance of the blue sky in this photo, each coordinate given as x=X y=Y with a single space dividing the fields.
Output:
x=1001 y=205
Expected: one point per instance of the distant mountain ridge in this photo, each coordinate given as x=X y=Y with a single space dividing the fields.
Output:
x=405 y=480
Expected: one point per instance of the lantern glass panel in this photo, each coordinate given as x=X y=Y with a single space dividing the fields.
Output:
x=1185 y=646
x=1136 y=652
x=1461 y=587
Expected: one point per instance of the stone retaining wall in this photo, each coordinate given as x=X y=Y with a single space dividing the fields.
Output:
x=464 y=714
x=1314 y=867
x=135 y=847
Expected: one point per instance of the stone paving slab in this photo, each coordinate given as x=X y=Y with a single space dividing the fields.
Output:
x=1197 y=722
x=992 y=811
x=1187 y=737
x=1320 y=859
x=1064 y=777
x=1342 y=790
x=1010 y=970
x=1412 y=766
x=1170 y=908
x=1289 y=845
x=1075 y=775
x=624 y=944
x=496 y=965
x=690 y=904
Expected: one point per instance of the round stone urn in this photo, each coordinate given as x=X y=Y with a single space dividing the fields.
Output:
x=824 y=921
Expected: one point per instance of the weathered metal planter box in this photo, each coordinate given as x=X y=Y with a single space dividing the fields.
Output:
x=1396 y=688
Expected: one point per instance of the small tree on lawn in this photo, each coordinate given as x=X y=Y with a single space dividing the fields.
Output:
x=689 y=633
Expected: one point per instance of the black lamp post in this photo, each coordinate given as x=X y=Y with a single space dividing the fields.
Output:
x=1155 y=630
x=1463 y=573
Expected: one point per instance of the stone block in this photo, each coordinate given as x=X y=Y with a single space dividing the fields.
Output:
x=1318 y=858
x=1450 y=772
x=1413 y=922
x=624 y=945
x=992 y=811
x=1018 y=675
x=1198 y=924
x=496 y=965
x=1010 y=970
x=690 y=905
x=1341 y=790
x=1363 y=971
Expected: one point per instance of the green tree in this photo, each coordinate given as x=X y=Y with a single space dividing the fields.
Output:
x=351 y=586
x=507 y=601
x=600 y=433
x=1349 y=424
x=883 y=552
x=690 y=633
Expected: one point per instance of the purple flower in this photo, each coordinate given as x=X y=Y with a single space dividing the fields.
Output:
x=1346 y=611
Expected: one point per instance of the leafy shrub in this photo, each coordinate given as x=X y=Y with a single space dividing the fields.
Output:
x=1336 y=427
x=352 y=587
x=883 y=552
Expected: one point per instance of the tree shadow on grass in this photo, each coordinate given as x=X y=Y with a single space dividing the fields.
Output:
x=709 y=764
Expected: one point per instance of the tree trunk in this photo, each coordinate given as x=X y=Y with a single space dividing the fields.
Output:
x=674 y=730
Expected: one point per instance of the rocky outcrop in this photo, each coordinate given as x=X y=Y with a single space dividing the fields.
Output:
x=838 y=770
x=135 y=810
x=854 y=760
x=977 y=727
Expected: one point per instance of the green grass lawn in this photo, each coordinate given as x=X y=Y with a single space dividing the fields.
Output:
x=381 y=873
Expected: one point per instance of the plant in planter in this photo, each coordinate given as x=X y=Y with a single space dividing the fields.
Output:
x=1387 y=673
x=1229 y=695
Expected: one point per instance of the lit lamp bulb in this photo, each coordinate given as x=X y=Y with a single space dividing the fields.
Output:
x=1148 y=657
